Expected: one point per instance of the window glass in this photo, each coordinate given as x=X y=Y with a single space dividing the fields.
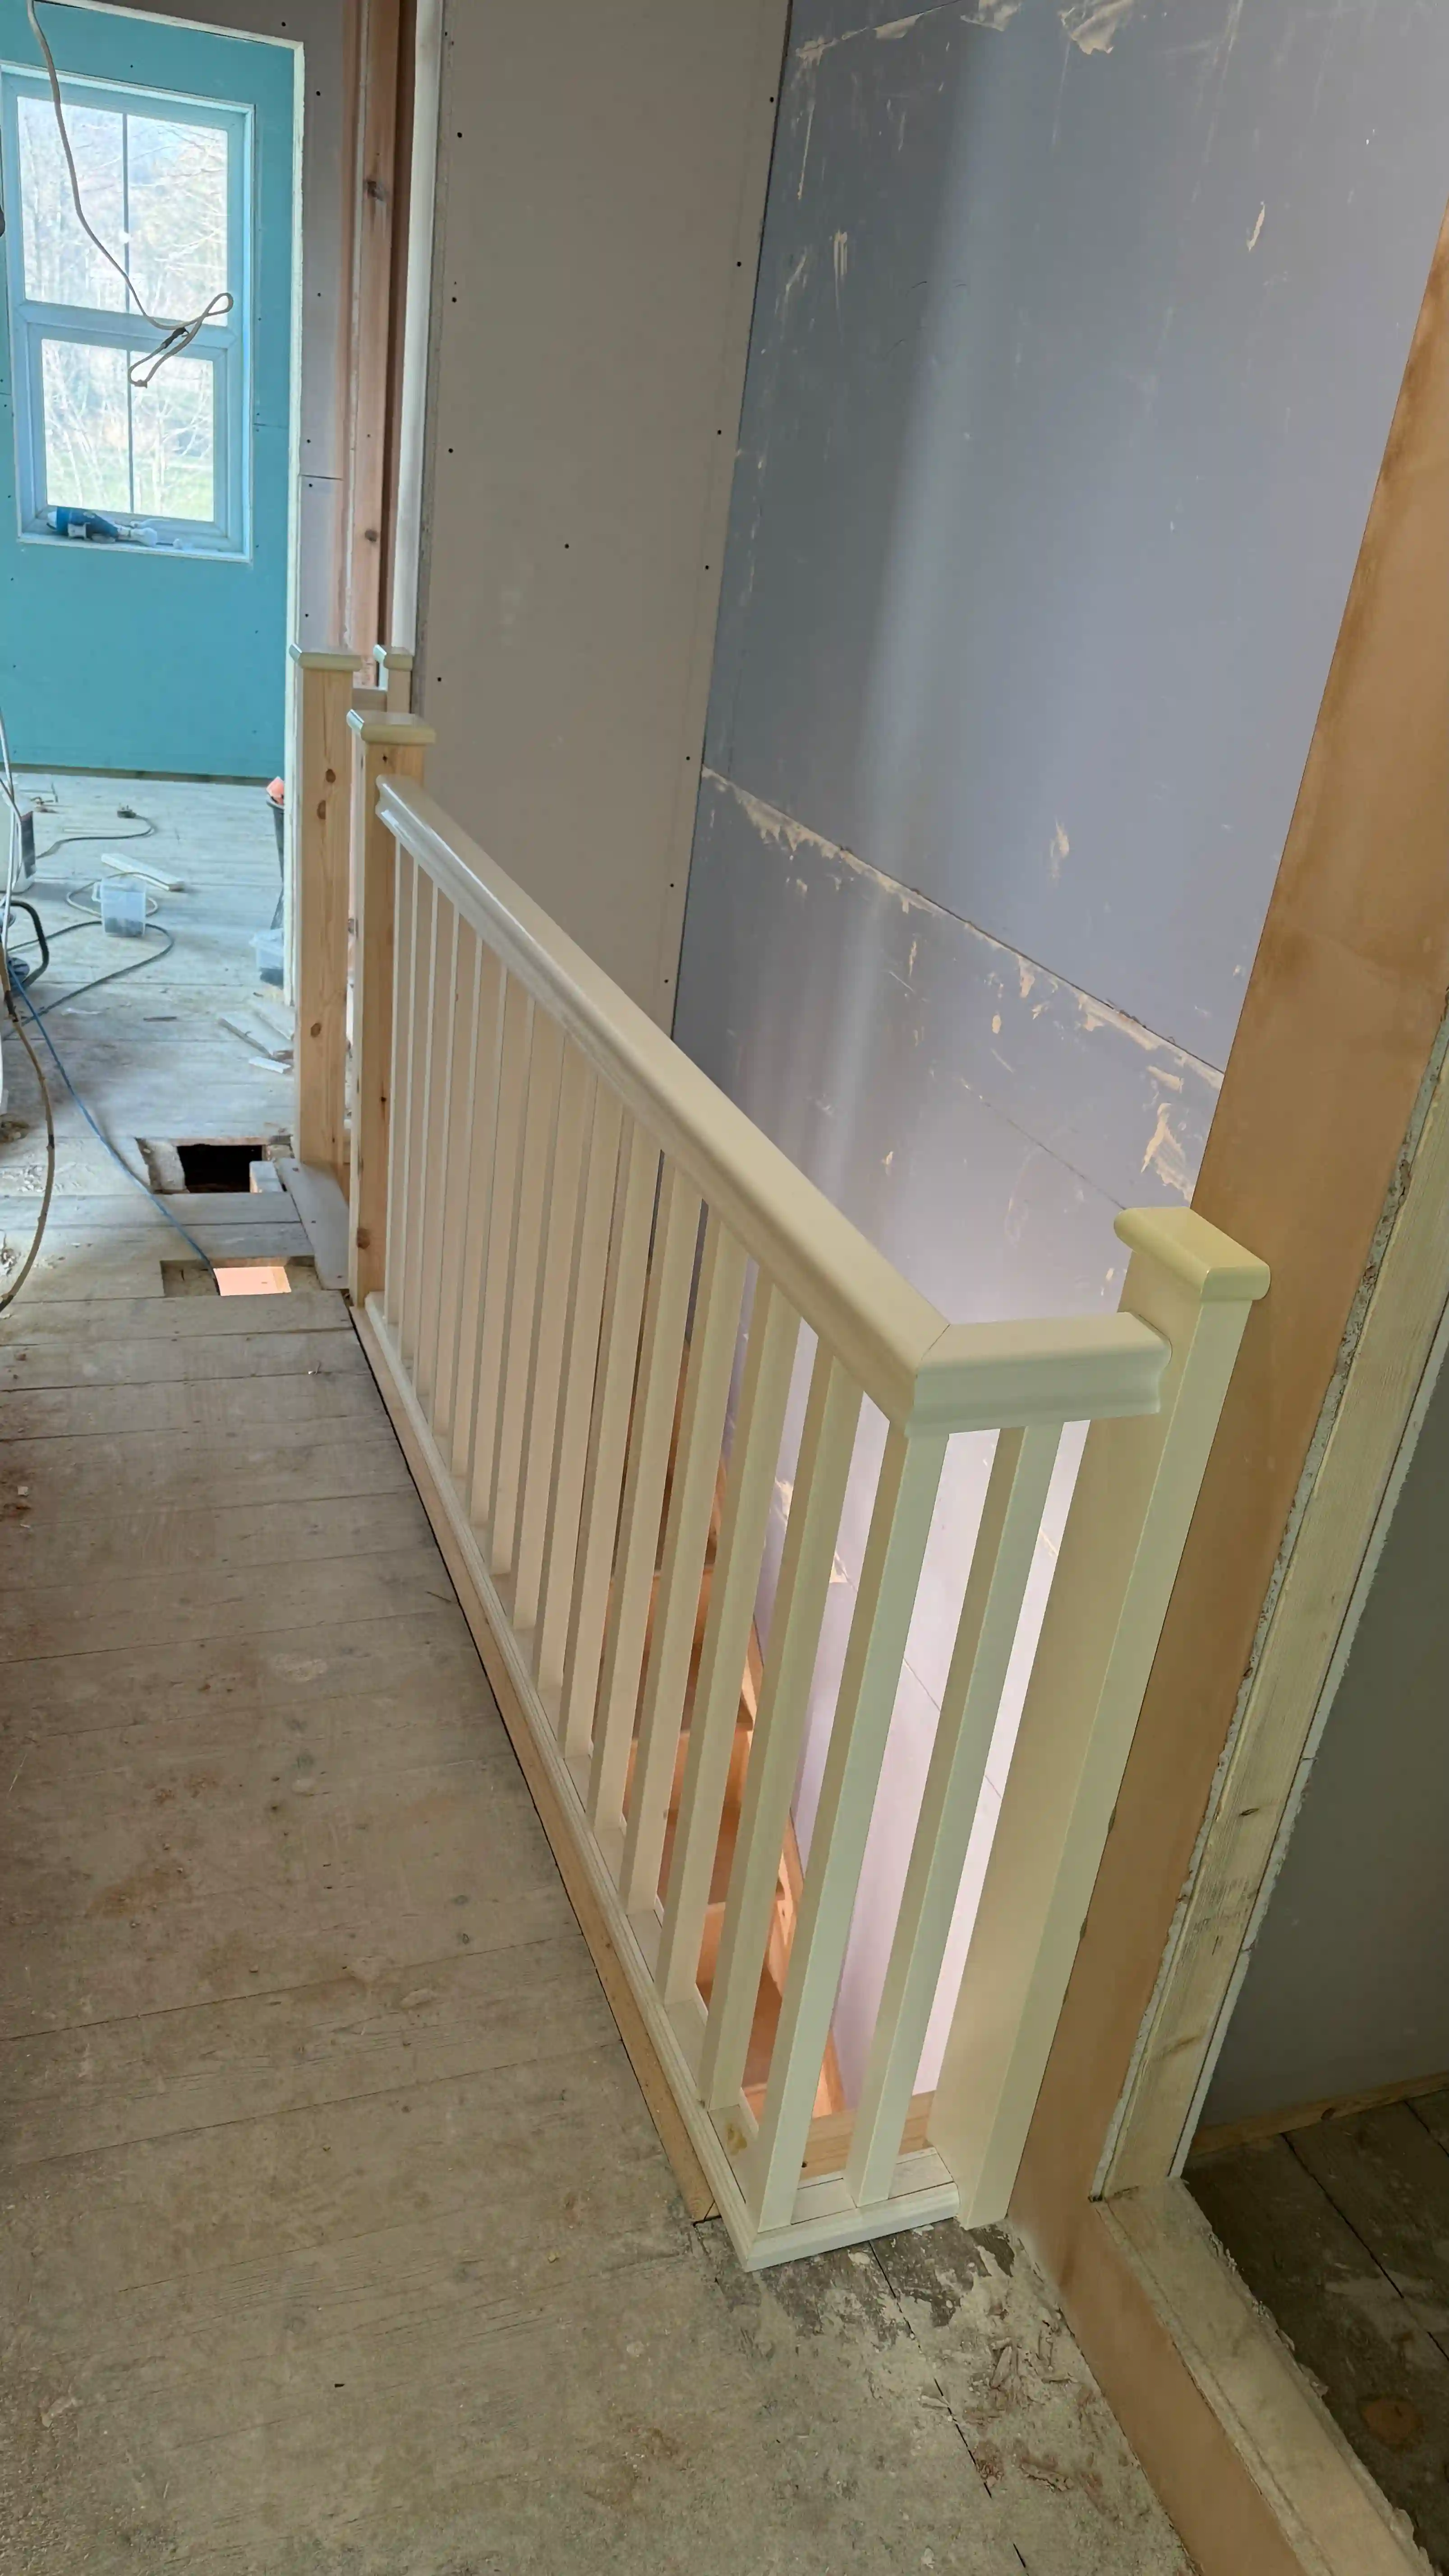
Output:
x=173 y=441
x=61 y=265
x=87 y=428
x=177 y=185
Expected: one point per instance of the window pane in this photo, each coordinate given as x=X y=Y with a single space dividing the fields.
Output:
x=178 y=215
x=61 y=265
x=87 y=441
x=173 y=428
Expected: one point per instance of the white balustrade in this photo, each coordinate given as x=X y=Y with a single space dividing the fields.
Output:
x=586 y=1246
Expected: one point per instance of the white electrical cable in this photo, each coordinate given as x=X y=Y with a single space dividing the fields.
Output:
x=179 y=335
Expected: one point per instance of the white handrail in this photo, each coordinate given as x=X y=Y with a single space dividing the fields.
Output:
x=922 y=1371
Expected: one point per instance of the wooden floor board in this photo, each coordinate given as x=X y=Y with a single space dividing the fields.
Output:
x=1387 y=2175
x=180 y=1690
x=279 y=1462
x=194 y=1404
x=48 y=1360
x=137 y=1611
x=154 y=1542
x=172 y=1319
x=335 y=2235
x=1384 y=2378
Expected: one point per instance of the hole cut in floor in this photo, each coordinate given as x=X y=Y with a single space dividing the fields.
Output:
x=259 y=1278
x=222 y=1165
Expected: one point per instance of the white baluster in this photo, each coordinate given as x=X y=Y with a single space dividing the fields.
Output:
x=996 y=1586
x=826 y=1447
x=676 y=1612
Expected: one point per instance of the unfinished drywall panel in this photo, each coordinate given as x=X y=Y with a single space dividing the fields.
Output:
x=1345 y=1987
x=922 y=1072
x=601 y=183
x=1071 y=371
x=1076 y=343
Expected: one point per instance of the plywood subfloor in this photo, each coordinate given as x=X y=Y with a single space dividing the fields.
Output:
x=335 y=2239
x=1342 y=2230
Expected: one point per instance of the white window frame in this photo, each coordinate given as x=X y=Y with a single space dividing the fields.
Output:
x=225 y=344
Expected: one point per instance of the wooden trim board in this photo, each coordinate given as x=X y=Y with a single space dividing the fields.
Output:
x=1251 y=2466
x=694 y=2188
x=1389 y=1376
x=1308 y=2115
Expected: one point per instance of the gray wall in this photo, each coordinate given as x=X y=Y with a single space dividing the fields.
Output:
x=1348 y=1983
x=1076 y=341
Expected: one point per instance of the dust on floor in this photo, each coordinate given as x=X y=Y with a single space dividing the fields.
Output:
x=147 y=1050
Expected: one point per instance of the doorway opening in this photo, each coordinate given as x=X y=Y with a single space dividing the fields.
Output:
x=150 y=407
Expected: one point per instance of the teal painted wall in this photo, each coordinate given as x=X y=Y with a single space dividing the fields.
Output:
x=111 y=658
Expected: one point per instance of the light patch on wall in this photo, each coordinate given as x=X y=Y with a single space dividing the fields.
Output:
x=1165 y=1156
x=984 y=13
x=1061 y=848
x=783 y=832
x=795 y=280
x=1092 y=24
x=1256 y=234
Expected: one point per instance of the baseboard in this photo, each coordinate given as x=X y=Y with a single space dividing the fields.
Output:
x=1307 y=2115
x=1254 y=2472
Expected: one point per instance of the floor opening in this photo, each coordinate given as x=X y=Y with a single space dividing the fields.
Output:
x=223 y=1165
x=263 y=1277
x=252 y=1279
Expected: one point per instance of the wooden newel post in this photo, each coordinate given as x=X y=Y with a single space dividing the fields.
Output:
x=383 y=746
x=1134 y=1499
x=319 y=790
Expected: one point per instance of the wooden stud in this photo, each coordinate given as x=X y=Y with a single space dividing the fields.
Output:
x=373 y=198
x=320 y=789
x=382 y=747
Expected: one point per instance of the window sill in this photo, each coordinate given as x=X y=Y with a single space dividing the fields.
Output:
x=132 y=546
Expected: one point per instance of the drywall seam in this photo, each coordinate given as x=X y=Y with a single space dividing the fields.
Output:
x=783 y=829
